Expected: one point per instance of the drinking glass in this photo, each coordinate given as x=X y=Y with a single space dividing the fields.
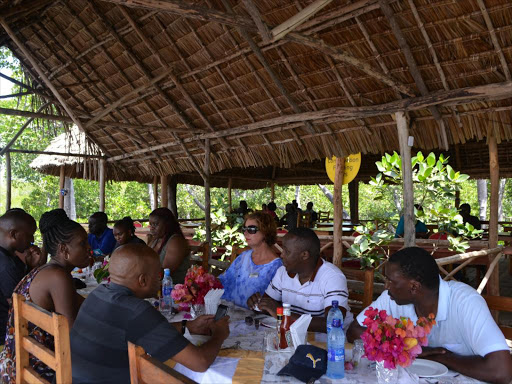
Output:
x=357 y=352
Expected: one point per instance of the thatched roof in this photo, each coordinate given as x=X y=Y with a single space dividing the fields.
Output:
x=151 y=81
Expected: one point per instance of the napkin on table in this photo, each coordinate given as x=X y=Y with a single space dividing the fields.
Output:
x=299 y=330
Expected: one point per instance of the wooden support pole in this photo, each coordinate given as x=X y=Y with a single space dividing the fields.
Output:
x=155 y=192
x=207 y=202
x=230 y=202
x=338 y=212
x=163 y=193
x=408 y=193
x=493 y=287
x=353 y=194
x=172 y=191
x=8 y=181
x=102 y=184
x=62 y=179
x=272 y=191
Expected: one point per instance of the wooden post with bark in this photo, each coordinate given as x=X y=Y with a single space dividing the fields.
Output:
x=163 y=193
x=230 y=201
x=408 y=193
x=62 y=180
x=155 y=192
x=8 y=175
x=172 y=192
x=207 y=202
x=353 y=194
x=338 y=212
x=493 y=287
x=102 y=185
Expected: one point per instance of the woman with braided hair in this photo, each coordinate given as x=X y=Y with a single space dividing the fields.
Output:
x=49 y=286
x=170 y=244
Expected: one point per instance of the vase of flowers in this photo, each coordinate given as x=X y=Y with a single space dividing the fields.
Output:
x=393 y=342
x=101 y=273
x=192 y=292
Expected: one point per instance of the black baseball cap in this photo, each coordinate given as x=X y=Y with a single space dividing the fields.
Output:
x=308 y=362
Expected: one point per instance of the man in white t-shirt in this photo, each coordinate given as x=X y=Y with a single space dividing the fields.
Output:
x=465 y=337
x=305 y=281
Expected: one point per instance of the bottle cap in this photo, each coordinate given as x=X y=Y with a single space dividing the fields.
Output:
x=336 y=323
x=286 y=305
x=167 y=272
x=279 y=311
x=335 y=303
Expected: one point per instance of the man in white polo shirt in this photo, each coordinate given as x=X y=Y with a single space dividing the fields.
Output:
x=305 y=281
x=465 y=338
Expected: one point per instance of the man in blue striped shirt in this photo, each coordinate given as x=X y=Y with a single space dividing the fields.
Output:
x=116 y=313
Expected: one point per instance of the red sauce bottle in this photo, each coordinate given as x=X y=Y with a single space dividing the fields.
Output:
x=279 y=313
x=285 y=337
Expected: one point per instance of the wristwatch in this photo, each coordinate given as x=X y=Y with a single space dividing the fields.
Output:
x=183 y=326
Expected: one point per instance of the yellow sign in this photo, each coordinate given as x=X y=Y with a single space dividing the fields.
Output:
x=352 y=165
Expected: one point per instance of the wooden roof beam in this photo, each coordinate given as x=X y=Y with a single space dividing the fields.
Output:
x=45 y=79
x=487 y=92
x=296 y=20
x=253 y=11
x=189 y=10
x=494 y=39
x=413 y=67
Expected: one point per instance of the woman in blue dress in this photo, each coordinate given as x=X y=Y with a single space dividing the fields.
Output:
x=253 y=270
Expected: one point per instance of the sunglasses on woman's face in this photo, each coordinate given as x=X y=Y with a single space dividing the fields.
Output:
x=252 y=229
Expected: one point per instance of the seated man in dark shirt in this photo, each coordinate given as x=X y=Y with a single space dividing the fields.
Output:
x=17 y=230
x=116 y=313
x=465 y=212
x=101 y=238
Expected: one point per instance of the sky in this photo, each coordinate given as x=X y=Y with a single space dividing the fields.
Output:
x=5 y=85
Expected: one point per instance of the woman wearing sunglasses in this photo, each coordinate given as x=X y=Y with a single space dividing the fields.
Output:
x=253 y=270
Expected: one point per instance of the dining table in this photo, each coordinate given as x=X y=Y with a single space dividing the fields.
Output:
x=256 y=364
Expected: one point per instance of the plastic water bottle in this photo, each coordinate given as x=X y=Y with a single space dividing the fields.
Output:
x=334 y=313
x=336 y=351
x=166 y=305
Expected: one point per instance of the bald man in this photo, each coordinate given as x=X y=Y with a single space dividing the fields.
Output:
x=17 y=230
x=116 y=313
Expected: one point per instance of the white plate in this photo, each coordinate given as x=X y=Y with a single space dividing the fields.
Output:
x=427 y=368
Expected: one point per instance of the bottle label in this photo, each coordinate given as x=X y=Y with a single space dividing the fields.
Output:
x=289 y=340
x=167 y=291
x=336 y=354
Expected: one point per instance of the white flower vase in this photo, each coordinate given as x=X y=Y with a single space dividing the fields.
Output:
x=386 y=375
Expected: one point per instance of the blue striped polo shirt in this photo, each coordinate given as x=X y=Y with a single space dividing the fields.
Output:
x=109 y=318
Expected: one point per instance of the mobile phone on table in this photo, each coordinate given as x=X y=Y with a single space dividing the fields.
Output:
x=222 y=311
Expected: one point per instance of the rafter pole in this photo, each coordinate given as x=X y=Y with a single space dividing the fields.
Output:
x=488 y=92
x=253 y=11
x=207 y=200
x=413 y=67
x=296 y=20
x=45 y=79
x=494 y=39
x=190 y=10
x=20 y=131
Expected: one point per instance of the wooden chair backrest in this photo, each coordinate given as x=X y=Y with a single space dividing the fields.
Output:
x=303 y=219
x=145 y=369
x=503 y=304
x=237 y=251
x=366 y=297
x=199 y=253
x=323 y=216
x=53 y=323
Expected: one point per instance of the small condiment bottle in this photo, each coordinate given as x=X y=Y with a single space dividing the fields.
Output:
x=279 y=313
x=285 y=337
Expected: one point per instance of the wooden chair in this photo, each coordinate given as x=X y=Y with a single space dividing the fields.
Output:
x=53 y=323
x=357 y=300
x=199 y=253
x=323 y=216
x=237 y=251
x=304 y=219
x=504 y=304
x=145 y=369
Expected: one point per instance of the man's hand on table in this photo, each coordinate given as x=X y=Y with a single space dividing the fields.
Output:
x=254 y=300
x=201 y=325
x=220 y=328
x=269 y=305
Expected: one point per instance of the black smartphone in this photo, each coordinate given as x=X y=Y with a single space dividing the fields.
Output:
x=221 y=312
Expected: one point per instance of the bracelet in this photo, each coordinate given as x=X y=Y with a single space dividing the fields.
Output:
x=183 y=326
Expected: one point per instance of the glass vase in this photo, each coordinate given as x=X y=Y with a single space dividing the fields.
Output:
x=386 y=375
x=197 y=310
